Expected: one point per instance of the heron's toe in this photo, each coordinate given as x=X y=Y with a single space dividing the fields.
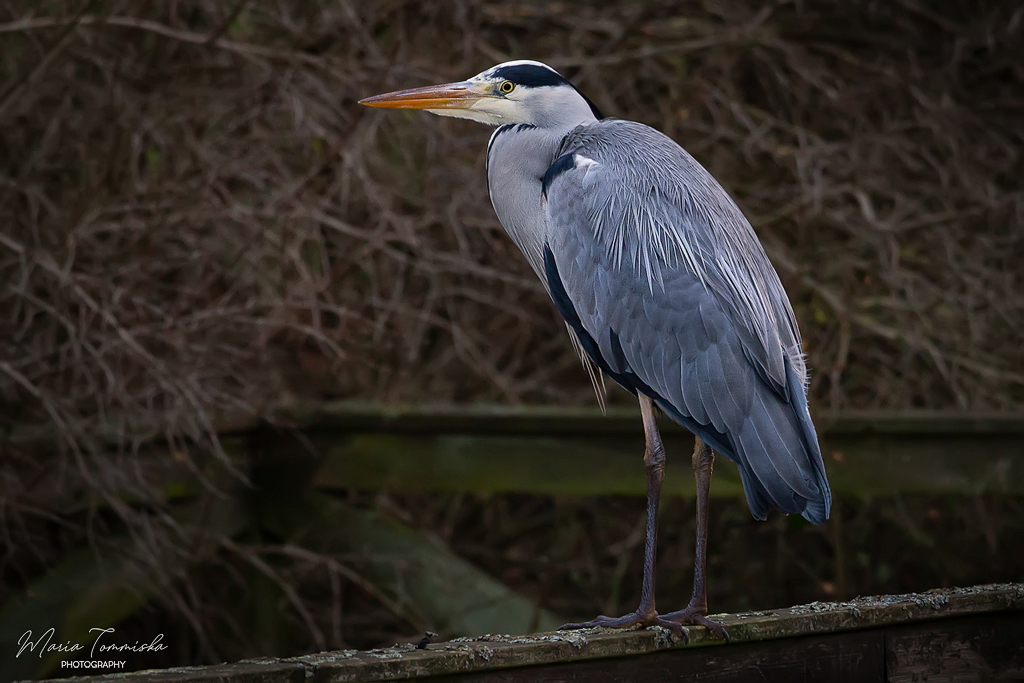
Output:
x=639 y=619
x=698 y=618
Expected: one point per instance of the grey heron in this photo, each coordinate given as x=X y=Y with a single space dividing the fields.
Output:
x=664 y=287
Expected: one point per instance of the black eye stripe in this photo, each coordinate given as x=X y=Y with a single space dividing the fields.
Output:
x=529 y=75
x=533 y=76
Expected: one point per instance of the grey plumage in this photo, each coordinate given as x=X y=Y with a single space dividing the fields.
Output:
x=654 y=255
x=649 y=247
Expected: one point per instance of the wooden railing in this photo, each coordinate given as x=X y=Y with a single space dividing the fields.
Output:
x=580 y=451
x=953 y=634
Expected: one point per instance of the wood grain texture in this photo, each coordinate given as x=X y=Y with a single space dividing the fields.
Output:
x=610 y=464
x=970 y=650
x=979 y=630
x=844 y=658
x=579 y=451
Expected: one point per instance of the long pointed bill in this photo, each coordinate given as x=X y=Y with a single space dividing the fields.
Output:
x=460 y=95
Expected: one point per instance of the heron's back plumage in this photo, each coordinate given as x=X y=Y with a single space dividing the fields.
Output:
x=670 y=292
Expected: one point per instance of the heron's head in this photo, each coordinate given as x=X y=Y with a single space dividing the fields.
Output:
x=522 y=91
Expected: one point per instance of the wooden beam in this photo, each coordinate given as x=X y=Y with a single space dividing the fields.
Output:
x=579 y=451
x=488 y=449
x=941 y=635
x=609 y=465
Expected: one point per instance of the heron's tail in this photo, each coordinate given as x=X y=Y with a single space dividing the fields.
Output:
x=779 y=456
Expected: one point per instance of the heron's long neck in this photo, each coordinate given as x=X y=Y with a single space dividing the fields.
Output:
x=517 y=157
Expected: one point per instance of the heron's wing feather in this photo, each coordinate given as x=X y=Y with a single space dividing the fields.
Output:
x=593 y=371
x=669 y=291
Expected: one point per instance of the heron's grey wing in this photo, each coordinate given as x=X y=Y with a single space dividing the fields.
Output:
x=635 y=262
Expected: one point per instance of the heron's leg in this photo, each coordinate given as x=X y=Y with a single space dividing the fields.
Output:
x=696 y=612
x=654 y=463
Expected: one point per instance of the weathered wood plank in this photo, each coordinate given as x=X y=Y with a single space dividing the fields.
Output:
x=490 y=464
x=548 y=450
x=963 y=651
x=553 y=450
x=857 y=657
x=839 y=641
x=611 y=464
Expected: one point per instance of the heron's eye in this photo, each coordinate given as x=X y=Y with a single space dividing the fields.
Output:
x=506 y=87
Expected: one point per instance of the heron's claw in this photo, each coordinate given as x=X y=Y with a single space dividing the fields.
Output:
x=634 y=619
x=691 y=615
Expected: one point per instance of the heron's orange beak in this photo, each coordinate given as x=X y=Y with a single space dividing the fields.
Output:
x=460 y=95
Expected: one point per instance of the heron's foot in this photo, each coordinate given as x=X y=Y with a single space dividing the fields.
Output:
x=698 y=617
x=641 y=619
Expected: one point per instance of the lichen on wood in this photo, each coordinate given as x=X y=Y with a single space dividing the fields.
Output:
x=497 y=651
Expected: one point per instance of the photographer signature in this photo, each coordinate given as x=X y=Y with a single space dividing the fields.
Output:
x=44 y=644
